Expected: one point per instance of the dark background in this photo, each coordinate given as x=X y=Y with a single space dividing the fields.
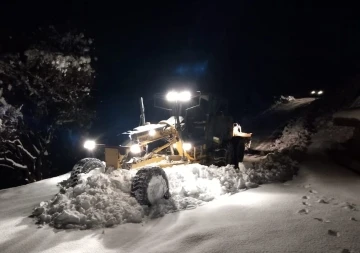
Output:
x=246 y=51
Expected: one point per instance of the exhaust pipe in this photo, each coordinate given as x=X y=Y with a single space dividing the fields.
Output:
x=142 y=111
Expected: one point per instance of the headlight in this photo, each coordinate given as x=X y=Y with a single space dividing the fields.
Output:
x=313 y=92
x=136 y=149
x=89 y=145
x=320 y=92
x=187 y=146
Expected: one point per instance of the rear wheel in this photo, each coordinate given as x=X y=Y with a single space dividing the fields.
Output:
x=84 y=166
x=235 y=151
x=150 y=185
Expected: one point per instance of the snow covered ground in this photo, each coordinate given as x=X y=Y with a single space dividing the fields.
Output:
x=316 y=212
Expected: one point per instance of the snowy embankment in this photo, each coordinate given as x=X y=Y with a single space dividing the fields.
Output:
x=103 y=199
x=280 y=217
x=316 y=212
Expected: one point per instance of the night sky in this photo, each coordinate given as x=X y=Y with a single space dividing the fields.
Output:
x=246 y=51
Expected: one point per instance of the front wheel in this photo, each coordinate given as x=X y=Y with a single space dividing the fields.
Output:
x=150 y=185
x=84 y=166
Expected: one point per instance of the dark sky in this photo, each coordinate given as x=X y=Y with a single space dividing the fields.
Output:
x=247 y=51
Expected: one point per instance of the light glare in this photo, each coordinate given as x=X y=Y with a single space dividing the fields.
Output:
x=171 y=96
x=89 y=145
x=320 y=92
x=135 y=149
x=152 y=132
x=184 y=96
x=313 y=92
x=187 y=146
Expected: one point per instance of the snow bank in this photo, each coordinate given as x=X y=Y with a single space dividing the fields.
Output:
x=281 y=164
x=329 y=134
x=295 y=135
x=103 y=199
x=98 y=200
x=193 y=185
x=275 y=167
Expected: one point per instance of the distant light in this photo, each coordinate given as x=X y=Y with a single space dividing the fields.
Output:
x=171 y=96
x=184 y=96
x=89 y=145
x=152 y=132
x=320 y=92
x=313 y=92
x=136 y=149
x=187 y=146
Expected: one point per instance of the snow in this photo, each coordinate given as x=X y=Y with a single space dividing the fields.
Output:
x=294 y=135
x=264 y=219
x=289 y=104
x=329 y=134
x=103 y=199
x=18 y=165
x=352 y=114
x=212 y=209
x=162 y=124
x=3 y=101
x=149 y=127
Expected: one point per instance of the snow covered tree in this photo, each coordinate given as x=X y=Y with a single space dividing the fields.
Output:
x=42 y=89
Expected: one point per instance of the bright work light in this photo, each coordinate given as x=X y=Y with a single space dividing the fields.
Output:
x=183 y=96
x=171 y=96
x=89 y=145
x=135 y=149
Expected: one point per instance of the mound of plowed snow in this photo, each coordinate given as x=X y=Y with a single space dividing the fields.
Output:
x=103 y=199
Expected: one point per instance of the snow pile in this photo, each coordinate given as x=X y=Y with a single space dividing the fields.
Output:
x=193 y=185
x=98 y=200
x=103 y=199
x=283 y=100
x=286 y=99
x=330 y=134
x=294 y=136
x=275 y=167
x=281 y=164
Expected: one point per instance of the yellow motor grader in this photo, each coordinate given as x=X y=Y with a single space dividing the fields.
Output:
x=204 y=134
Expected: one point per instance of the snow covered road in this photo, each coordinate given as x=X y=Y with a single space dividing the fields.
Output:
x=287 y=217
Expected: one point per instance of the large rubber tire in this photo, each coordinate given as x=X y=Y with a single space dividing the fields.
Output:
x=150 y=185
x=235 y=151
x=84 y=166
